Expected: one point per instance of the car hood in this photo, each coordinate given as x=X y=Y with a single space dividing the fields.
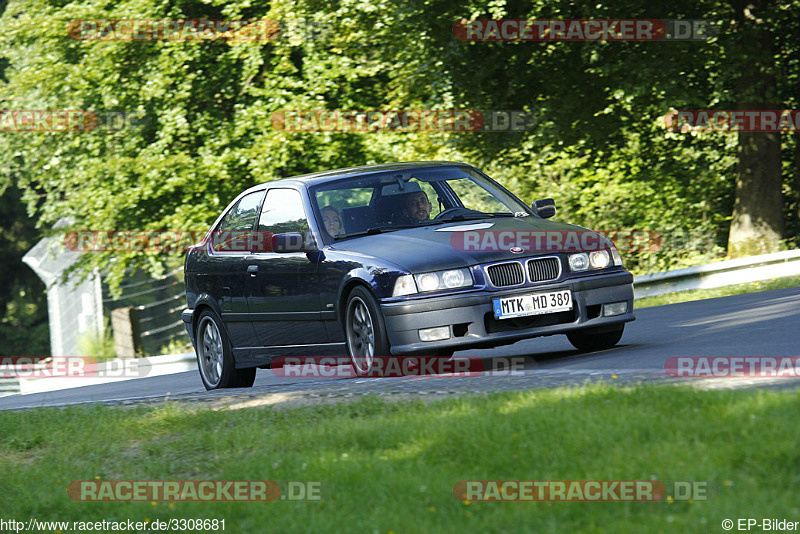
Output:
x=466 y=243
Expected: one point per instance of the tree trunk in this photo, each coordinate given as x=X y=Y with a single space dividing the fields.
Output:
x=757 y=224
x=797 y=173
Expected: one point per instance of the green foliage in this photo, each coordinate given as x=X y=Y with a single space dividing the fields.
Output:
x=177 y=345
x=23 y=303
x=599 y=147
x=98 y=345
x=666 y=184
x=392 y=466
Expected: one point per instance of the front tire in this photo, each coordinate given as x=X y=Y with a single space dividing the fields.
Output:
x=215 y=356
x=590 y=339
x=365 y=330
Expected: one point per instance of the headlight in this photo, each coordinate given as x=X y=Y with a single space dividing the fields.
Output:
x=579 y=262
x=423 y=282
x=443 y=280
x=599 y=259
x=427 y=282
x=457 y=278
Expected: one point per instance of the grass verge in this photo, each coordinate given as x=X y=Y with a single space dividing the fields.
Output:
x=391 y=466
x=700 y=294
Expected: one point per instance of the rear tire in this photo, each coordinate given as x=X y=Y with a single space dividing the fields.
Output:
x=365 y=330
x=589 y=339
x=215 y=356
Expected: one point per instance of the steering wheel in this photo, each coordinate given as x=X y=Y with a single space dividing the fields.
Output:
x=451 y=211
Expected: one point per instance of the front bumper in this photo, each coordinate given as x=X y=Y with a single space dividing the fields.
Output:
x=186 y=317
x=470 y=317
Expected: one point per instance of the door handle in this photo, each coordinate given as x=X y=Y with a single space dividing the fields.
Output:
x=252 y=269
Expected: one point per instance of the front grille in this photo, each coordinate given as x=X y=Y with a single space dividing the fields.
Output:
x=506 y=274
x=543 y=269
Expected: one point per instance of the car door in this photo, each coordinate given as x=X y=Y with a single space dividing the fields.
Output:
x=226 y=269
x=283 y=293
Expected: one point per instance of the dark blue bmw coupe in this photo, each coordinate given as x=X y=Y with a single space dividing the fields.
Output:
x=397 y=259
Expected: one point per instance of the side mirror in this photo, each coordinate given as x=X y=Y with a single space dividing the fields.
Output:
x=292 y=242
x=546 y=207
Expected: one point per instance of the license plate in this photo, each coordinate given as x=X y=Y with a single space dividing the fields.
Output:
x=535 y=304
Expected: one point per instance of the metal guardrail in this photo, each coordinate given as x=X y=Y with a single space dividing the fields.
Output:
x=9 y=385
x=26 y=380
x=723 y=273
x=719 y=274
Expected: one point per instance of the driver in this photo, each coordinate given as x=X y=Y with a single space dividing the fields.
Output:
x=417 y=207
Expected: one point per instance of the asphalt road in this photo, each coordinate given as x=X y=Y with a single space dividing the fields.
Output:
x=756 y=324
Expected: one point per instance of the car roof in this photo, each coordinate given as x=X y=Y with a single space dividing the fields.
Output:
x=335 y=174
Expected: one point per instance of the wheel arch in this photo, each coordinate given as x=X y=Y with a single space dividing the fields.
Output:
x=202 y=306
x=347 y=288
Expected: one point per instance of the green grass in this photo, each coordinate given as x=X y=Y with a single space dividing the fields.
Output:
x=391 y=466
x=700 y=294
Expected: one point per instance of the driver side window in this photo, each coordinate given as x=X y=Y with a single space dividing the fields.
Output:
x=283 y=212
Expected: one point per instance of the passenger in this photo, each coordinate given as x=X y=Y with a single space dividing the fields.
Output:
x=332 y=221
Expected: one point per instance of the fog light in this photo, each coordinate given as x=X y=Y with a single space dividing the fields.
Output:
x=434 y=334
x=615 y=308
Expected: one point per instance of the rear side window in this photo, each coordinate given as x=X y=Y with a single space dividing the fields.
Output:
x=234 y=232
x=242 y=216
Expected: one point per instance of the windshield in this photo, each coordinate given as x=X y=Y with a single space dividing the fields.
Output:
x=384 y=202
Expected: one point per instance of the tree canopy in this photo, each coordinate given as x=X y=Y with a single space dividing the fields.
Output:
x=199 y=114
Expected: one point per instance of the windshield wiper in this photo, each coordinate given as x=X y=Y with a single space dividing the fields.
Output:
x=374 y=230
x=475 y=216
